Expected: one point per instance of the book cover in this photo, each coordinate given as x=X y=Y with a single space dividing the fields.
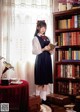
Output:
x=52 y=46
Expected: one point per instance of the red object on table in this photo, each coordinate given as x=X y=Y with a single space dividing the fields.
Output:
x=16 y=95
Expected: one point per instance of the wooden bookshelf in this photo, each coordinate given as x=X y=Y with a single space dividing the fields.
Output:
x=67 y=30
x=67 y=52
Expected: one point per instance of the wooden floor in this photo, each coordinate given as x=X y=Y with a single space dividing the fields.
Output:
x=45 y=108
x=35 y=102
x=56 y=108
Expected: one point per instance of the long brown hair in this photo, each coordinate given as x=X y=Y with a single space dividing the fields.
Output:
x=40 y=24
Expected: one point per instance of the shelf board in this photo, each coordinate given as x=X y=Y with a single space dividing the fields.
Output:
x=68 y=79
x=68 y=62
x=67 y=12
x=68 y=94
x=67 y=30
x=68 y=46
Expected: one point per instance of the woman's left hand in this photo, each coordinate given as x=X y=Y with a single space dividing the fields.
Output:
x=52 y=51
x=48 y=47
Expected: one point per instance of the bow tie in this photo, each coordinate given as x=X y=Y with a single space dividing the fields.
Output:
x=43 y=37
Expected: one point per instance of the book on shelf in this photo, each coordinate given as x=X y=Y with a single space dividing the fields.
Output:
x=68 y=55
x=62 y=7
x=71 y=22
x=69 y=6
x=75 y=5
x=69 y=38
x=68 y=88
x=68 y=71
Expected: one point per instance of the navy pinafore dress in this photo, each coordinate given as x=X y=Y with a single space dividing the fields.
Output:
x=43 y=65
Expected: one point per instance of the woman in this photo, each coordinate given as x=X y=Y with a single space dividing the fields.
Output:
x=43 y=64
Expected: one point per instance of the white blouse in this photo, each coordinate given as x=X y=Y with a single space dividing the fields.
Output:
x=36 y=47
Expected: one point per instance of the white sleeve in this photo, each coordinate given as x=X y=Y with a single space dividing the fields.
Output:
x=36 y=47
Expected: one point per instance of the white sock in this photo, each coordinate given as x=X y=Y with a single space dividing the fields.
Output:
x=37 y=92
x=43 y=95
x=48 y=89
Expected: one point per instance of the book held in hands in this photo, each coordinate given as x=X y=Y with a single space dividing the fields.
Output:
x=52 y=46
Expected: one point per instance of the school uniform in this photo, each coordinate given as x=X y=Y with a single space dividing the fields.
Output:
x=43 y=63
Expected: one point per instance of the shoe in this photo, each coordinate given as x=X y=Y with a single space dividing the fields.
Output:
x=45 y=102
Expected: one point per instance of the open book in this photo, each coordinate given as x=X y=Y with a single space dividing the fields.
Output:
x=52 y=46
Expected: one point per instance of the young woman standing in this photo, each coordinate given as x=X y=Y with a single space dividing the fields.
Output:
x=43 y=63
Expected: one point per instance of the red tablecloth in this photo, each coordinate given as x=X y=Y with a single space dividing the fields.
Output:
x=16 y=95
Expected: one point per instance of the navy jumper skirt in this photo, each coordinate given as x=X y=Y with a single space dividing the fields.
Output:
x=43 y=65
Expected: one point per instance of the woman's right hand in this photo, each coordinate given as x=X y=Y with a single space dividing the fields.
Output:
x=46 y=48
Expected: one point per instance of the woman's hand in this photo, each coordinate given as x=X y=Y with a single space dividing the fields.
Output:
x=52 y=51
x=46 y=48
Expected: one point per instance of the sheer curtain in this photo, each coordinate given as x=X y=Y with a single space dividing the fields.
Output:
x=18 y=24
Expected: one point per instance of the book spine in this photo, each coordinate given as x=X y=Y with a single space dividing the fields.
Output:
x=78 y=21
x=75 y=21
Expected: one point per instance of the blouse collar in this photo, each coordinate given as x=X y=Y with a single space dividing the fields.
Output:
x=42 y=36
x=39 y=34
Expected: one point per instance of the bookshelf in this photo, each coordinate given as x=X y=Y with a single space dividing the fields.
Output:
x=67 y=52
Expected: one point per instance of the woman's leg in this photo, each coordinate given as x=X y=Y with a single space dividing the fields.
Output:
x=38 y=89
x=43 y=92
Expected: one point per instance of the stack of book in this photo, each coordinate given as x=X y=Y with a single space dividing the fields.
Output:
x=62 y=7
x=76 y=4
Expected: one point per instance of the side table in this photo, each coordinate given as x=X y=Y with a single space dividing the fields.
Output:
x=16 y=95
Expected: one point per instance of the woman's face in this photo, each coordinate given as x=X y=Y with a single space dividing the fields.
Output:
x=42 y=30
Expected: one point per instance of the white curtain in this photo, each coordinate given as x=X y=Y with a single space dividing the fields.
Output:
x=18 y=25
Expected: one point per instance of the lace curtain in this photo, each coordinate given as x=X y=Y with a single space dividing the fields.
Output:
x=18 y=24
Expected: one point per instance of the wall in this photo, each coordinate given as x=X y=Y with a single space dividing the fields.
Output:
x=55 y=6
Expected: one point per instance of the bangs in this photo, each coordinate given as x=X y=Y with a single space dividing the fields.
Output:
x=41 y=24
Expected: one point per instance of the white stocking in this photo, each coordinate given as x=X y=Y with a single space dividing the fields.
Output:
x=43 y=95
x=48 y=89
x=37 y=92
